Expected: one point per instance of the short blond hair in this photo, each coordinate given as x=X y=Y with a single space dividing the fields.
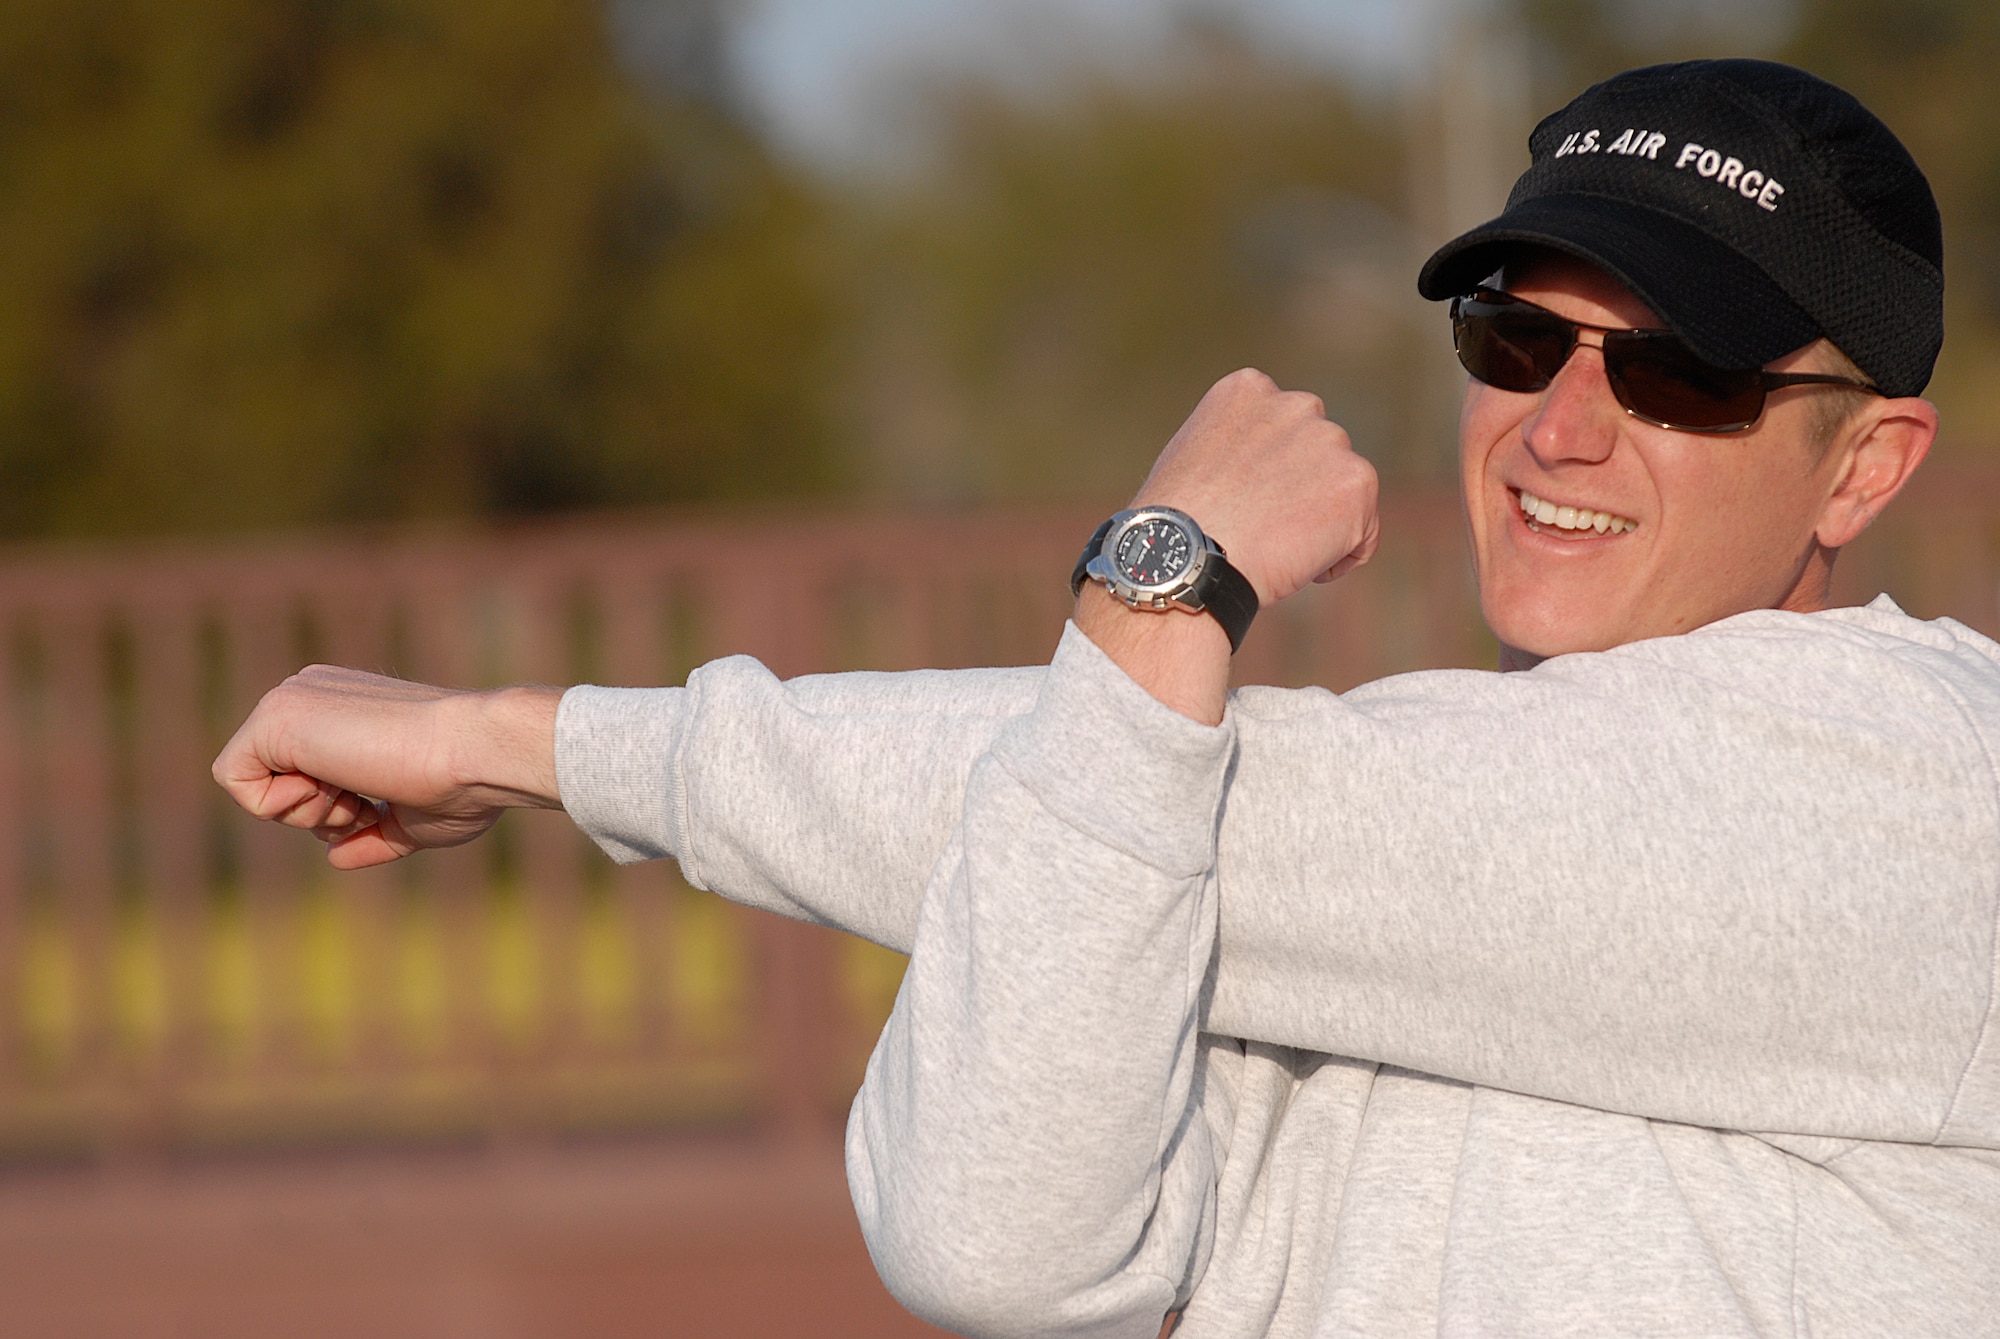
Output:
x=1834 y=406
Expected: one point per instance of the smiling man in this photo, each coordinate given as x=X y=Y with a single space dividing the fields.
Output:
x=1647 y=989
x=1594 y=524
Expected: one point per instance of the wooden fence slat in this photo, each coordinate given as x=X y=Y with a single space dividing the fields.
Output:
x=797 y=1028
x=173 y=803
x=13 y=855
x=274 y=862
x=634 y=654
x=357 y=622
x=77 y=753
x=540 y=630
x=106 y=818
x=445 y=633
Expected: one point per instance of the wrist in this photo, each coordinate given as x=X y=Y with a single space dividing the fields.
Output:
x=502 y=744
x=1179 y=656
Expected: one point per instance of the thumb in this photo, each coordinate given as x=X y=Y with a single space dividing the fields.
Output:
x=379 y=843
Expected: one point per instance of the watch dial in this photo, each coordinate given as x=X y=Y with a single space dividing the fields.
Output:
x=1153 y=552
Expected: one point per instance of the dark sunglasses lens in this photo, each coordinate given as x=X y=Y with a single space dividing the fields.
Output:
x=1658 y=378
x=1510 y=348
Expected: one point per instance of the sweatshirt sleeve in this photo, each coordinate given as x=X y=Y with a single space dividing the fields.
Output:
x=825 y=798
x=1025 y=1155
x=1742 y=878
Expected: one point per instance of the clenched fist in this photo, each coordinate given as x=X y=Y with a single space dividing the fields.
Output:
x=1273 y=480
x=1265 y=473
x=379 y=767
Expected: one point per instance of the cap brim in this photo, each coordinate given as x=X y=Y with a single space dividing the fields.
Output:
x=1726 y=308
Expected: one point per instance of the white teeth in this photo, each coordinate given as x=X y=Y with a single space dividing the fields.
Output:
x=1543 y=512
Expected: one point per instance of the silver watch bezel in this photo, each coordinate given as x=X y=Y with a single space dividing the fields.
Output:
x=1174 y=591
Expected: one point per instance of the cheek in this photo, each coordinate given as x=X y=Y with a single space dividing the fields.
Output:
x=1739 y=537
x=1485 y=421
x=1478 y=419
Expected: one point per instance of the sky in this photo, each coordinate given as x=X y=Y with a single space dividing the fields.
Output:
x=826 y=75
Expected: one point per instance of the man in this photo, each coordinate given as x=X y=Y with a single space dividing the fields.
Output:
x=1647 y=989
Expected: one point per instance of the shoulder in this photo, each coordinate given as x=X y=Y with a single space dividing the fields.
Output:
x=1874 y=670
x=1865 y=662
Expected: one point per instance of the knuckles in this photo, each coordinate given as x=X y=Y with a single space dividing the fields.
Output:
x=1247 y=381
x=1305 y=404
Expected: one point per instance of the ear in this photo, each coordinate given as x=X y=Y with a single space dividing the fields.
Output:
x=1878 y=451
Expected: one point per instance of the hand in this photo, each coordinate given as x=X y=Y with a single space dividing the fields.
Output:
x=1276 y=484
x=379 y=767
x=1281 y=489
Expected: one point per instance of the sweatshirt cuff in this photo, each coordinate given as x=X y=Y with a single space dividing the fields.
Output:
x=1114 y=762
x=617 y=767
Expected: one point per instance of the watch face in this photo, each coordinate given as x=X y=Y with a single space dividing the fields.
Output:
x=1153 y=552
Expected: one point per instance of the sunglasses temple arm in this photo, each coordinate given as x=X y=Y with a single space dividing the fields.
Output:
x=1778 y=380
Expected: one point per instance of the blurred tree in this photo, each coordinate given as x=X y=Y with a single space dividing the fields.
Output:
x=1046 y=305
x=1926 y=67
x=1923 y=66
x=269 y=262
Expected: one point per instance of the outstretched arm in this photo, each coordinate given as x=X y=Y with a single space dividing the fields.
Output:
x=379 y=767
x=1738 y=878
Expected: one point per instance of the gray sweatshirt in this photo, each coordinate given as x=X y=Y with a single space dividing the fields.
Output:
x=1648 y=992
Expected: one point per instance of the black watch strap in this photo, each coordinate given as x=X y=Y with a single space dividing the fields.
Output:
x=1228 y=595
x=1082 y=572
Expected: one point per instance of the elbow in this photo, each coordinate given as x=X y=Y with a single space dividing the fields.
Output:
x=949 y=1289
x=964 y=1285
x=976 y=1275
x=944 y=1268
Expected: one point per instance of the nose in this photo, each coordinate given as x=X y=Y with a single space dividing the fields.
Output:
x=1578 y=418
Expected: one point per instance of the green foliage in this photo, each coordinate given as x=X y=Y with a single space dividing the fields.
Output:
x=271 y=262
x=1047 y=306
x=1924 y=66
x=266 y=263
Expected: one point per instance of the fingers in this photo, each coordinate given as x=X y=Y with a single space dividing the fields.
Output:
x=1338 y=570
x=1244 y=382
x=302 y=802
x=378 y=840
x=363 y=849
x=1371 y=536
x=273 y=795
x=1276 y=482
x=353 y=729
x=1358 y=556
x=345 y=815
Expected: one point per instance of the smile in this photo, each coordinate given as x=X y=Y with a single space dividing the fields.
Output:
x=1540 y=512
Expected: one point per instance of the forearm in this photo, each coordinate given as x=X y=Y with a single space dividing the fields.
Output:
x=1765 y=903
x=504 y=747
x=1180 y=658
x=379 y=767
x=1764 y=906
x=826 y=798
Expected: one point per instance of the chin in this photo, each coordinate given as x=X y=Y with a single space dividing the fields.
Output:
x=1540 y=634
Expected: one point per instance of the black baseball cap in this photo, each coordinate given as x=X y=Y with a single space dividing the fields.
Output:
x=1754 y=206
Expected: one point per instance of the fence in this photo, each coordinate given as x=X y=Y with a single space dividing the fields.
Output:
x=175 y=976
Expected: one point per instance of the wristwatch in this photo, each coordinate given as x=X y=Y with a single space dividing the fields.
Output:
x=1157 y=557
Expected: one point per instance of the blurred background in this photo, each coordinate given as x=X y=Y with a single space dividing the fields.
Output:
x=533 y=339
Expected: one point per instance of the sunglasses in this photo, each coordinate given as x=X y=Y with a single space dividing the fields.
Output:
x=1513 y=345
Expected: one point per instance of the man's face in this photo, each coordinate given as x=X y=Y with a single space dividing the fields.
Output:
x=1720 y=524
